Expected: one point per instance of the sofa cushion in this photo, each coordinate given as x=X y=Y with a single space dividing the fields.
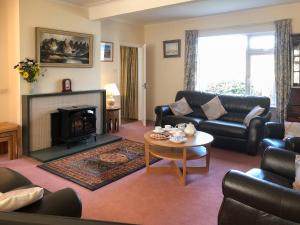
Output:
x=214 y=109
x=256 y=111
x=174 y=120
x=180 y=107
x=224 y=128
x=270 y=177
x=19 y=198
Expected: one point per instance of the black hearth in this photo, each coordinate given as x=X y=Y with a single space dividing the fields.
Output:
x=73 y=124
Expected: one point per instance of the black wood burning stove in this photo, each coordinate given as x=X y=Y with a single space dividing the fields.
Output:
x=73 y=124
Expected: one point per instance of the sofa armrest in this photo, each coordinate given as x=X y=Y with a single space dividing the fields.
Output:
x=64 y=202
x=160 y=112
x=10 y=179
x=293 y=144
x=279 y=161
x=262 y=195
x=255 y=134
x=274 y=130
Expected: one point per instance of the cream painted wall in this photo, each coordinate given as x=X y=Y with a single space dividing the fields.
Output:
x=119 y=34
x=165 y=76
x=9 y=55
x=4 y=82
x=57 y=15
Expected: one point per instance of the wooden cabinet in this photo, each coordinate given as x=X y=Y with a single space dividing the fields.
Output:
x=293 y=107
x=11 y=135
x=295 y=57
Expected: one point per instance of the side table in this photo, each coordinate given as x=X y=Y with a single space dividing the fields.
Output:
x=11 y=133
x=112 y=119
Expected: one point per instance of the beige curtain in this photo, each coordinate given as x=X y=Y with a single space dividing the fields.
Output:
x=129 y=83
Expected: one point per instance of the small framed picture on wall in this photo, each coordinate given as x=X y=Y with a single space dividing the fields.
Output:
x=172 y=48
x=106 y=51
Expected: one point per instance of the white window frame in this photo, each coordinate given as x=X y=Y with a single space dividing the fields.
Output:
x=250 y=52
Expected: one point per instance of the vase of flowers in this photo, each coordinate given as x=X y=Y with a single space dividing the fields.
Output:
x=30 y=71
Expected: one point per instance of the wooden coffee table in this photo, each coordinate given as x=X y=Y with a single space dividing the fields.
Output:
x=194 y=148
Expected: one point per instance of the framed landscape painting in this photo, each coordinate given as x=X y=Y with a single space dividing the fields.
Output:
x=172 y=48
x=57 y=48
x=106 y=51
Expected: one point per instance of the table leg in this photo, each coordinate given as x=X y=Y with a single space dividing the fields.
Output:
x=14 y=145
x=147 y=156
x=10 y=148
x=207 y=158
x=183 y=181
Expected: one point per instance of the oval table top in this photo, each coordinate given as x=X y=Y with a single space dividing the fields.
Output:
x=199 y=139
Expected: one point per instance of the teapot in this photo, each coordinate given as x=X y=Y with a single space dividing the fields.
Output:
x=190 y=129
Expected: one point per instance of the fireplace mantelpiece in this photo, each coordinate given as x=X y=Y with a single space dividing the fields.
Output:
x=64 y=100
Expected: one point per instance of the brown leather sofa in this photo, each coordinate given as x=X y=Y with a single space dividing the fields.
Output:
x=229 y=130
x=262 y=196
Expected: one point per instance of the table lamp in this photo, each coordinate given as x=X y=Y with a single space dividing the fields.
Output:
x=111 y=91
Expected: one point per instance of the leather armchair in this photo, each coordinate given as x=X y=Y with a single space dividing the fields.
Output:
x=64 y=202
x=262 y=196
x=274 y=137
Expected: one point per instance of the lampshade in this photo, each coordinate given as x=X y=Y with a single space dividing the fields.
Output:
x=112 y=89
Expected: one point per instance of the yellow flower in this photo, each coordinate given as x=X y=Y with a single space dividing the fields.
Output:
x=20 y=70
x=25 y=75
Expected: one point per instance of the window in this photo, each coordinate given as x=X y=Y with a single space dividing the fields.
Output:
x=239 y=64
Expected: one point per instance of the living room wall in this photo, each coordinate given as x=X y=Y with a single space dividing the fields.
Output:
x=9 y=54
x=120 y=34
x=165 y=76
x=62 y=16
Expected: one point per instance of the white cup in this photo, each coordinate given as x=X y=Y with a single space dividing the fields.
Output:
x=178 y=136
x=168 y=127
x=158 y=128
x=181 y=126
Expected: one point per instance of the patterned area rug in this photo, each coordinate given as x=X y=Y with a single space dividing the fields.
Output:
x=95 y=168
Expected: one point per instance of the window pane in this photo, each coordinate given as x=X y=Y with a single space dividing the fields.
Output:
x=222 y=64
x=262 y=42
x=296 y=78
x=262 y=78
x=296 y=52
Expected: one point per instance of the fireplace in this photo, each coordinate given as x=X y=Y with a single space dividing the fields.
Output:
x=73 y=124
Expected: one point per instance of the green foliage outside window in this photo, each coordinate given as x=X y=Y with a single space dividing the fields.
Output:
x=230 y=88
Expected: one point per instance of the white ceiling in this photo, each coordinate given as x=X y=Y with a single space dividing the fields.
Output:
x=86 y=3
x=195 y=9
x=192 y=9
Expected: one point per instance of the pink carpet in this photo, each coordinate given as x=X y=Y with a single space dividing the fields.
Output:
x=148 y=199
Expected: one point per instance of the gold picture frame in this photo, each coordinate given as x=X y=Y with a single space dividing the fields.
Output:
x=58 y=48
